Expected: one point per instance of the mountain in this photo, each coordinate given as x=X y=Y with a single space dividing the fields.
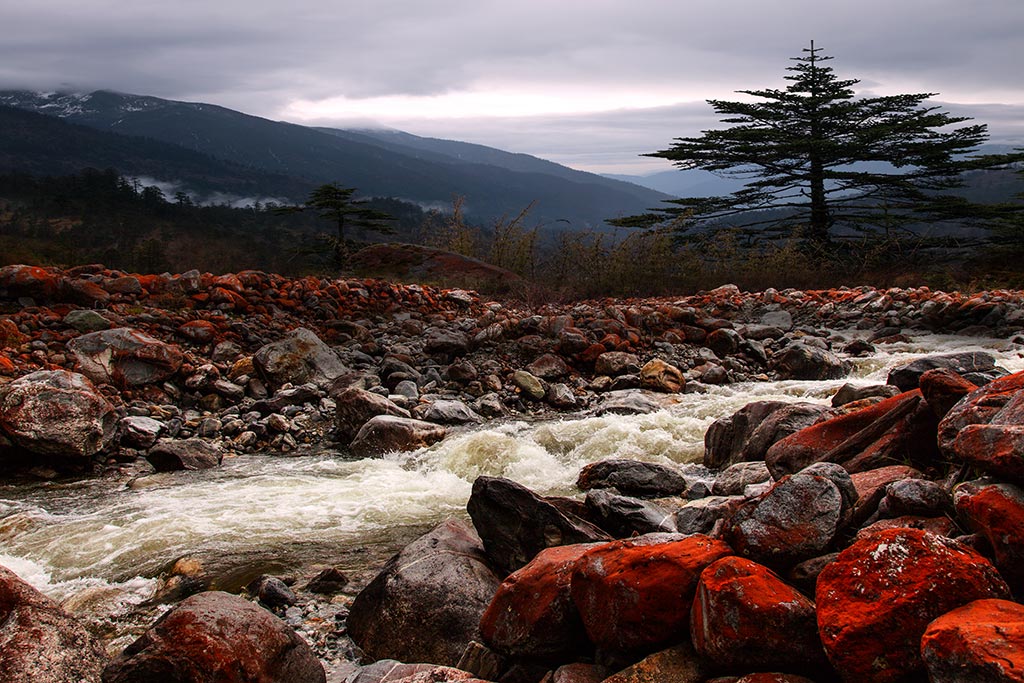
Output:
x=421 y=170
x=694 y=183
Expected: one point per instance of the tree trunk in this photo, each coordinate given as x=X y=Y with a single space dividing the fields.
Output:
x=819 y=207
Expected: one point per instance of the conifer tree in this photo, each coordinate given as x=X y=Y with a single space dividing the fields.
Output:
x=814 y=156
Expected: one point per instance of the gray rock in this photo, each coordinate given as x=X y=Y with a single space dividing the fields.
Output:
x=703 y=515
x=633 y=478
x=973 y=366
x=627 y=402
x=85 y=320
x=354 y=407
x=614 y=363
x=388 y=434
x=426 y=604
x=623 y=516
x=805 y=362
x=125 y=357
x=140 y=432
x=561 y=397
x=56 y=412
x=446 y=342
x=781 y=319
x=448 y=412
x=726 y=437
x=848 y=393
x=298 y=358
x=169 y=455
x=40 y=642
x=733 y=480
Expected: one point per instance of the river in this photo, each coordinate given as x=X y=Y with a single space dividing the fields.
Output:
x=104 y=541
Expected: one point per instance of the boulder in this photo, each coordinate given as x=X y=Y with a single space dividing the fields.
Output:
x=996 y=511
x=355 y=407
x=58 y=413
x=529 y=385
x=140 y=432
x=734 y=479
x=426 y=603
x=981 y=642
x=996 y=449
x=634 y=596
x=848 y=393
x=942 y=389
x=991 y=403
x=805 y=362
x=448 y=412
x=532 y=614
x=797 y=519
x=678 y=664
x=747 y=434
x=124 y=357
x=170 y=455
x=388 y=434
x=703 y=516
x=976 y=364
x=86 y=320
x=622 y=516
x=516 y=524
x=657 y=375
x=445 y=342
x=548 y=366
x=871 y=486
x=745 y=618
x=40 y=642
x=633 y=478
x=899 y=429
x=298 y=358
x=614 y=363
x=919 y=497
x=627 y=402
x=215 y=637
x=877 y=598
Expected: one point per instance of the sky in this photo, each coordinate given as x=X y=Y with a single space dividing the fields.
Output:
x=592 y=84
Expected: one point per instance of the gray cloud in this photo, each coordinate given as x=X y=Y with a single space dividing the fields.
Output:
x=261 y=57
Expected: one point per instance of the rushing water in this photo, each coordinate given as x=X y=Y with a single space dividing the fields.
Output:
x=264 y=513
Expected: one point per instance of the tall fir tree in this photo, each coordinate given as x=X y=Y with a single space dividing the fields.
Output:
x=815 y=157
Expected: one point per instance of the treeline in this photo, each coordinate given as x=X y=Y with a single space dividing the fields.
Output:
x=101 y=216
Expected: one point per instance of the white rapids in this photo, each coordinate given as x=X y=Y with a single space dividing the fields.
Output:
x=69 y=538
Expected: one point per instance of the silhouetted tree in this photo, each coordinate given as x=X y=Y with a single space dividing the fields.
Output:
x=335 y=203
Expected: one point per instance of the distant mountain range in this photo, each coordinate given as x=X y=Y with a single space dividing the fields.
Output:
x=205 y=149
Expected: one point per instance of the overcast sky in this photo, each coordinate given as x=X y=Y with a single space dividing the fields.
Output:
x=588 y=83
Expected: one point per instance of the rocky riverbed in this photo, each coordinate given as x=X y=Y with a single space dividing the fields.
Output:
x=804 y=531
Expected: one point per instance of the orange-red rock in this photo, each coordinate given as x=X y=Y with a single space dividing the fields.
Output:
x=994 y=448
x=943 y=388
x=981 y=642
x=876 y=599
x=996 y=511
x=746 y=618
x=978 y=407
x=635 y=596
x=532 y=614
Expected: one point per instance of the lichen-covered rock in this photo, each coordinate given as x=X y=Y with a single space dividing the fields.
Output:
x=996 y=511
x=635 y=596
x=389 y=433
x=747 y=434
x=908 y=376
x=745 y=618
x=981 y=642
x=426 y=603
x=991 y=403
x=532 y=613
x=58 y=413
x=298 y=358
x=40 y=642
x=215 y=637
x=877 y=598
x=993 y=448
x=125 y=357
x=943 y=388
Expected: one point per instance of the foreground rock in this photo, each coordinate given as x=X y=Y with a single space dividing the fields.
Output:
x=426 y=603
x=876 y=599
x=996 y=511
x=976 y=367
x=982 y=642
x=39 y=642
x=389 y=433
x=56 y=412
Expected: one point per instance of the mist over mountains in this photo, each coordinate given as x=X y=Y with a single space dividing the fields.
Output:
x=206 y=149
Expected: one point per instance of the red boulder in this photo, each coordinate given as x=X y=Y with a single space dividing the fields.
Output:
x=996 y=511
x=981 y=642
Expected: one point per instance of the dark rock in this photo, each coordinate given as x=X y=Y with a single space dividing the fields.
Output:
x=908 y=376
x=516 y=524
x=747 y=434
x=848 y=393
x=445 y=342
x=426 y=604
x=733 y=480
x=169 y=455
x=40 y=642
x=632 y=478
x=388 y=434
x=124 y=357
x=298 y=358
x=703 y=516
x=140 y=432
x=272 y=591
x=296 y=396
x=622 y=516
x=801 y=361
x=355 y=407
x=614 y=363
x=328 y=582
x=214 y=637
x=548 y=366
x=942 y=389
x=85 y=320
x=678 y=664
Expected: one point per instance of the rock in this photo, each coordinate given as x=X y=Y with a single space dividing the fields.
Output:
x=389 y=671
x=328 y=582
x=531 y=387
x=548 y=366
x=426 y=603
x=561 y=397
x=745 y=618
x=633 y=478
x=703 y=516
x=272 y=591
x=724 y=342
x=124 y=357
x=848 y=393
x=627 y=402
x=298 y=358
x=578 y=673
x=871 y=485
x=942 y=389
x=615 y=363
x=981 y=642
x=634 y=597
x=992 y=403
x=877 y=598
x=797 y=519
x=215 y=637
x=897 y=429
x=801 y=361
x=993 y=448
x=532 y=613
x=445 y=342
x=516 y=524
x=448 y=412
x=388 y=434
x=996 y=511
x=282 y=398
x=354 y=407
x=780 y=319
x=678 y=664
x=439 y=674
x=747 y=434
x=919 y=497
x=657 y=375
x=57 y=413
x=622 y=516
x=85 y=320
x=907 y=377
x=40 y=642
x=169 y=455
x=140 y=432
x=733 y=480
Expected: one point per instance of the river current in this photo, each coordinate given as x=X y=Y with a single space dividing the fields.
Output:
x=268 y=513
